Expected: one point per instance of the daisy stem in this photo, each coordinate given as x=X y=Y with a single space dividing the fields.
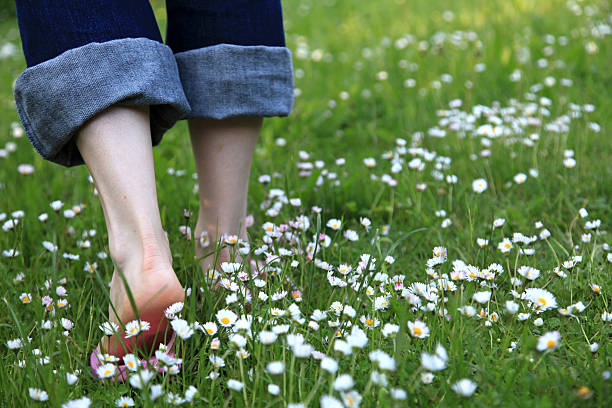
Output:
x=300 y=382
x=212 y=388
x=367 y=388
x=291 y=375
x=242 y=377
x=538 y=362
x=260 y=369
x=582 y=329
x=284 y=374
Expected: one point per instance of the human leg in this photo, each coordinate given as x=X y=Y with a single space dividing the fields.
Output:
x=235 y=70
x=102 y=91
x=116 y=146
x=223 y=151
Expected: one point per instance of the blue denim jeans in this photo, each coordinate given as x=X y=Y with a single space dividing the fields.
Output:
x=223 y=58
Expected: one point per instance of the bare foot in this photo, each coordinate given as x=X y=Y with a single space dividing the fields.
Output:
x=154 y=287
x=206 y=252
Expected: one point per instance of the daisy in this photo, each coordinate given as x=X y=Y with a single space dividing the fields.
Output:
x=83 y=402
x=125 y=402
x=427 y=377
x=505 y=245
x=25 y=297
x=327 y=401
x=276 y=312
x=106 y=370
x=141 y=378
x=479 y=185
x=351 y=399
x=107 y=358
x=25 y=169
x=173 y=310
x=481 y=242
x=440 y=252
x=369 y=162
x=369 y=322
x=71 y=378
x=131 y=362
x=436 y=361
x=464 y=387
x=540 y=298
x=549 y=341
x=520 y=178
x=109 y=328
x=132 y=329
x=389 y=329
x=217 y=361
x=343 y=382
x=182 y=329
x=234 y=385
x=380 y=303
x=498 y=222
x=330 y=365
x=351 y=235
x=334 y=224
x=529 y=272
x=275 y=367
x=210 y=328
x=226 y=317
x=365 y=222
x=418 y=329
x=38 y=395
x=482 y=297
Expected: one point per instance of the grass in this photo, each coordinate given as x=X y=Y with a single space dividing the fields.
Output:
x=352 y=61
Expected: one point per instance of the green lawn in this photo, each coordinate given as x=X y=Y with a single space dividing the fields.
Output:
x=472 y=111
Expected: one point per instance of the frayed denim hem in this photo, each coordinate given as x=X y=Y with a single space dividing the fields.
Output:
x=226 y=80
x=56 y=97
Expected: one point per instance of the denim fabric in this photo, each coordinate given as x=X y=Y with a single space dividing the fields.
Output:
x=56 y=97
x=232 y=80
x=48 y=28
x=86 y=55
x=195 y=24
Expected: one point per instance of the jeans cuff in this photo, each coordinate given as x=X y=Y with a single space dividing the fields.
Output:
x=226 y=80
x=56 y=97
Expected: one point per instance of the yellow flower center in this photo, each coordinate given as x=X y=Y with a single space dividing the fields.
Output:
x=542 y=301
x=225 y=320
x=507 y=245
x=417 y=331
x=209 y=331
x=551 y=343
x=26 y=299
x=369 y=322
x=107 y=372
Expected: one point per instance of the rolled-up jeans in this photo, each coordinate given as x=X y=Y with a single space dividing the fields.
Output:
x=222 y=58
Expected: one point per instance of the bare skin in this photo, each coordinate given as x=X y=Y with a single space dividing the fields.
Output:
x=223 y=151
x=116 y=147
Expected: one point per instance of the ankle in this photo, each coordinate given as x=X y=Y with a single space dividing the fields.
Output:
x=141 y=251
